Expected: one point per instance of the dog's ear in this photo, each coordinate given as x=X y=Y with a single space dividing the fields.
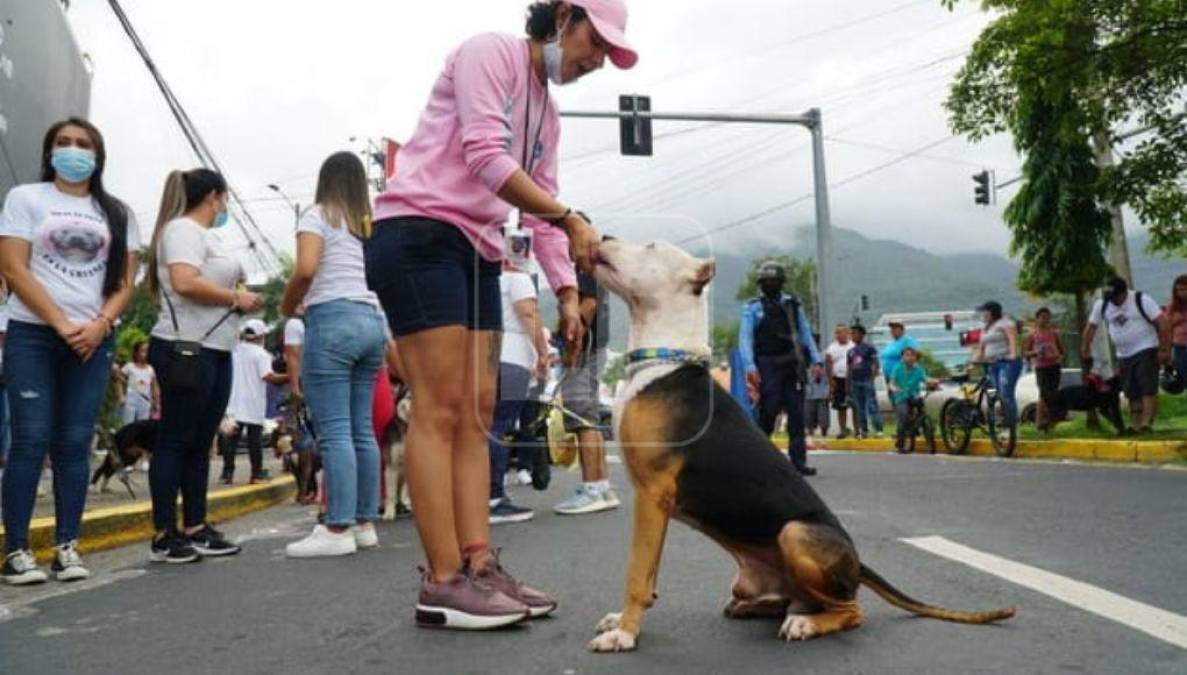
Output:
x=705 y=272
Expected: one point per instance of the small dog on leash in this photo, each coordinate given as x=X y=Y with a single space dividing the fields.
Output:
x=129 y=446
x=396 y=504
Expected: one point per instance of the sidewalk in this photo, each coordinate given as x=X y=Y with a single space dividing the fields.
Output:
x=1089 y=449
x=114 y=518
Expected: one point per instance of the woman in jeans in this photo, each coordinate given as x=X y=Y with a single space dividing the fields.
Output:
x=999 y=349
x=195 y=280
x=486 y=142
x=344 y=343
x=65 y=248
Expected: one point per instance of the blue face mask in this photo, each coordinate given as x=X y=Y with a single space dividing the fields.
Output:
x=221 y=219
x=73 y=165
x=554 y=57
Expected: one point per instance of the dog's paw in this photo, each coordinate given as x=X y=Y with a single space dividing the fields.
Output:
x=798 y=627
x=389 y=514
x=617 y=640
x=609 y=622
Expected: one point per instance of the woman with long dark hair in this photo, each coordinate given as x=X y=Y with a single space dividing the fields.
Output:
x=344 y=343
x=486 y=142
x=66 y=249
x=190 y=350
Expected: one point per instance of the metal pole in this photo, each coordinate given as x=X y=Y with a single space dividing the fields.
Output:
x=811 y=120
x=824 y=235
x=1119 y=246
x=805 y=120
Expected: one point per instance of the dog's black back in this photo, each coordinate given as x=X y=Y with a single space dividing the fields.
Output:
x=733 y=481
x=1085 y=397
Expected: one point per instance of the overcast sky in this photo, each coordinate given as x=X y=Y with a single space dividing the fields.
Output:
x=276 y=85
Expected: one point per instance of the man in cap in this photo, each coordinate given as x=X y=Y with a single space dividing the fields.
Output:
x=1141 y=334
x=776 y=345
x=251 y=366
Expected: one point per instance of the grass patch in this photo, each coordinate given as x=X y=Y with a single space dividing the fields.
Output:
x=1171 y=425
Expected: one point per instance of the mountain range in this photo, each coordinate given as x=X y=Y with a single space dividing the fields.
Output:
x=896 y=277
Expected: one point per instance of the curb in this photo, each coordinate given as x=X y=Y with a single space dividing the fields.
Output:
x=115 y=526
x=1089 y=450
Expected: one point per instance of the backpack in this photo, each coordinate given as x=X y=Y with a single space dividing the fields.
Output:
x=1137 y=299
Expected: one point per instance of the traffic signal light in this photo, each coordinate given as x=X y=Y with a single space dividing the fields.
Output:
x=981 y=193
x=635 y=132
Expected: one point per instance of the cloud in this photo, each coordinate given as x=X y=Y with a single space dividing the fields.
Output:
x=275 y=86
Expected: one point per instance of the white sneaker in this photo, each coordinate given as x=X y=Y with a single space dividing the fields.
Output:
x=20 y=568
x=67 y=565
x=322 y=543
x=365 y=535
x=587 y=499
x=524 y=477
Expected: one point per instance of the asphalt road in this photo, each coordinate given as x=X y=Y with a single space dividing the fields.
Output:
x=1123 y=530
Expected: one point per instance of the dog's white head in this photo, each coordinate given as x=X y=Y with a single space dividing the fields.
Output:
x=664 y=286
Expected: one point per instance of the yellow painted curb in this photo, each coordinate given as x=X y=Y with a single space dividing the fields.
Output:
x=114 y=526
x=1095 y=450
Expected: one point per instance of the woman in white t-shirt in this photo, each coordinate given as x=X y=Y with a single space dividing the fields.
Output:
x=195 y=280
x=66 y=248
x=344 y=342
x=142 y=396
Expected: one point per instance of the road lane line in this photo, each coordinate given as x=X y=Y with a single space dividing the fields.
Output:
x=1159 y=623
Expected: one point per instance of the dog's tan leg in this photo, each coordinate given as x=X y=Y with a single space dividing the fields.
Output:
x=619 y=632
x=824 y=566
x=389 y=478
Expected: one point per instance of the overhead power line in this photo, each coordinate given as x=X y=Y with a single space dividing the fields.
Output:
x=832 y=186
x=200 y=148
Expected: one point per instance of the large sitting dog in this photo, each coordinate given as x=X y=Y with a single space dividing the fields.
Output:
x=695 y=456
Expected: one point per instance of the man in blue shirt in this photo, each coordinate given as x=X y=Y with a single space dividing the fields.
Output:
x=892 y=354
x=776 y=346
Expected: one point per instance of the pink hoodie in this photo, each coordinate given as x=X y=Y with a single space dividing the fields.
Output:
x=468 y=143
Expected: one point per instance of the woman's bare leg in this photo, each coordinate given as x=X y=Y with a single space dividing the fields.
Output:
x=471 y=454
x=438 y=400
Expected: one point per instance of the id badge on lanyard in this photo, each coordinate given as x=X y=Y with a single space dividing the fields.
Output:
x=517 y=243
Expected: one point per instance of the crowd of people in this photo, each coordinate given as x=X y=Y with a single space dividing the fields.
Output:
x=790 y=376
x=425 y=282
x=421 y=265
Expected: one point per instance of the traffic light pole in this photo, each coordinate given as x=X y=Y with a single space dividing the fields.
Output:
x=810 y=120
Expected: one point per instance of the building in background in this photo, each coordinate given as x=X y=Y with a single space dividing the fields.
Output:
x=44 y=77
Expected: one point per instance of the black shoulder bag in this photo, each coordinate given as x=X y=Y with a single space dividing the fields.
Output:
x=185 y=370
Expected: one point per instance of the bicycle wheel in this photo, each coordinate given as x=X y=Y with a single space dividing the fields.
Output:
x=909 y=437
x=1003 y=437
x=929 y=435
x=956 y=425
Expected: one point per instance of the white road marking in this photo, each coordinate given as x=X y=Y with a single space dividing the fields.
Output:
x=1159 y=623
x=22 y=607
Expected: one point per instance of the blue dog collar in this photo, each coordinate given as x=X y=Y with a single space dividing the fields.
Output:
x=668 y=355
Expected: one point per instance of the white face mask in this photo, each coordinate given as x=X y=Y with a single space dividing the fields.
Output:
x=553 y=56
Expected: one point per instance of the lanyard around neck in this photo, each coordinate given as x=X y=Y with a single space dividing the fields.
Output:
x=528 y=161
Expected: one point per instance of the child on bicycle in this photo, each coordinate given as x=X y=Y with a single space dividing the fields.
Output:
x=906 y=386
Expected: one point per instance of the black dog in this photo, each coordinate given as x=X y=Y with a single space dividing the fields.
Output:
x=130 y=444
x=1097 y=393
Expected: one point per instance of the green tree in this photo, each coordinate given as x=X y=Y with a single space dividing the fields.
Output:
x=934 y=367
x=1058 y=74
x=273 y=289
x=615 y=371
x=724 y=339
x=801 y=280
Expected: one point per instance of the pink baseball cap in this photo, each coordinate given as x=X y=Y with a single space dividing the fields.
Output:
x=609 y=19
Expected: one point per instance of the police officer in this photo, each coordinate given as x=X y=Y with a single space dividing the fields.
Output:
x=776 y=344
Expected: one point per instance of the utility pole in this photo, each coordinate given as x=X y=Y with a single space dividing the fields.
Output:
x=810 y=120
x=1118 y=246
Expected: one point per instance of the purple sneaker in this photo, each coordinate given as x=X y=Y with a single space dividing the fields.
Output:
x=466 y=603
x=498 y=578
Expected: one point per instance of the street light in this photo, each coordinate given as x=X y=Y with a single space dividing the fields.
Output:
x=296 y=207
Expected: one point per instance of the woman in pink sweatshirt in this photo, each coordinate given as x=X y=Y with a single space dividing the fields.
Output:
x=486 y=142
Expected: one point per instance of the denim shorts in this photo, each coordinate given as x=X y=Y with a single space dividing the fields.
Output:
x=427 y=275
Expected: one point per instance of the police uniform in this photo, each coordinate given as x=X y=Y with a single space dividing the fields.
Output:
x=781 y=357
